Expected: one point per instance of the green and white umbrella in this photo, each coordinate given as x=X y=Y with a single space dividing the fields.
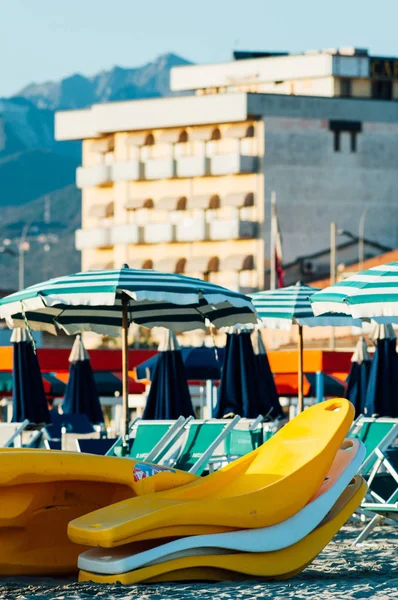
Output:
x=281 y=308
x=109 y=301
x=371 y=294
x=284 y=307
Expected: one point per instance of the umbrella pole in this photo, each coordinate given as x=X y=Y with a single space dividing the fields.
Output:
x=300 y=404
x=125 y=367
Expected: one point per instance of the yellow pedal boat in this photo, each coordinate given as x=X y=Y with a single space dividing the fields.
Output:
x=41 y=491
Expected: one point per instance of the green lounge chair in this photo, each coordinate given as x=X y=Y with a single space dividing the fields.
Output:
x=381 y=502
x=151 y=439
x=374 y=433
x=202 y=441
x=247 y=436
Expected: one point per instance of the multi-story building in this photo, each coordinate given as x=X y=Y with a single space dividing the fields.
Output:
x=181 y=184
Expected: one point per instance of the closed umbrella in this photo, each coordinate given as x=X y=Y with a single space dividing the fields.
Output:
x=169 y=396
x=358 y=377
x=28 y=396
x=240 y=391
x=200 y=363
x=382 y=392
x=109 y=301
x=266 y=378
x=282 y=308
x=81 y=396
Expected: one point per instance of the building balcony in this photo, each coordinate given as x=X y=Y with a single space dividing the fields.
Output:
x=193 y=229
x=233 y=229
x=126 y=234
x=129 y=170
x=231 y=164
x=92 y=176
x=99 y=237
x=193 y=166
x=160 y=168
x=156 y=233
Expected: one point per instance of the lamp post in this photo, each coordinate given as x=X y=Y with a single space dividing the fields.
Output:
x=23 y=246
x=333 y=235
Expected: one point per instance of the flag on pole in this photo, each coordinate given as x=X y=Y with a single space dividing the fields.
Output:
x=276 y=257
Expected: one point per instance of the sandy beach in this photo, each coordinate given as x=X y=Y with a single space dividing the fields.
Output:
x=340 y=572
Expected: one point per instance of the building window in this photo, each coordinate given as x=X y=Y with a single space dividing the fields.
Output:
x=250 y=131
x=353 y=141
x=345 y=88
x=149 y=140
x=180 y=265
x=336 y=140
x=183 y=138
x=181 y=203
x=216 y=134
x=382 y=90
x=353 y=128
x=214 y=202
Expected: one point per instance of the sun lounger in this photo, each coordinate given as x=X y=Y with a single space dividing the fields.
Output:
x=72 y=423
x=245 y=494
x=374 y=433
x=10 y=434
x=245 y=437
x=267 y=539
x=68 y=440
x=92 y=446
x=203 y=444
x=52 y=444
x=151 y=439
x=381 y=502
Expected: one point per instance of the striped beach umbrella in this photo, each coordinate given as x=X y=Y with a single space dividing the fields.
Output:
x=108 y=301
x=369 y=294
x=282 y=308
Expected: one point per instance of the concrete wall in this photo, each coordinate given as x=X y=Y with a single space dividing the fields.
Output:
x=316 y=185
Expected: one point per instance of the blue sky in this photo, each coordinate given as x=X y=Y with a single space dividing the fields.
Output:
x=49 y=39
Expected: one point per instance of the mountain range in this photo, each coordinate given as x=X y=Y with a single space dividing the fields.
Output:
x=35 y=170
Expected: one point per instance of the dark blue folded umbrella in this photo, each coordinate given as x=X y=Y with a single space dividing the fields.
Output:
x=358 y=377
x=200 y=363
x=270 y=394
x=382 y=392
x=241 y=391
x=169 y=396
x=29 y=398
x=81 y=396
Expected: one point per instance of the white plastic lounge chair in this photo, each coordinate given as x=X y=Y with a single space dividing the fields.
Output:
x=10 y=433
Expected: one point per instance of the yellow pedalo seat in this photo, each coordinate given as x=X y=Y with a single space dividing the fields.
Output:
x=280 y=564
x=260 y=489
x=42 y=490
